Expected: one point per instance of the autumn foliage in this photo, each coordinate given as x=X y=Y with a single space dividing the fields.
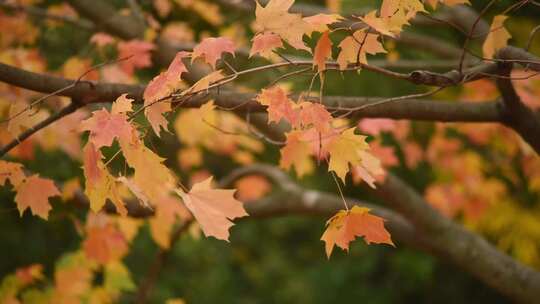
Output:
x=475 y=169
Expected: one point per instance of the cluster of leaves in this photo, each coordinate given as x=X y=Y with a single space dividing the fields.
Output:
x=466 y=183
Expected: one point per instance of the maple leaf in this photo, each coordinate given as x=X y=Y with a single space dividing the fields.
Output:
x=159 y=88
x=369 y=168
x=167 y=211
x=212 y=48
x=344 y=150
x=275 y=18
x=316 y=115
x=147 y=163
x=319 y=140
x=497 y=38
x=137 y=53
x=354 y=49
x=296 y=152
x=323 y=51
x=12 y=172
x=104 y=127
x=264 y=44
x=320 y=22
x=205 y=82
x=34 y=193
x=104 y=241
x=279 y=105
x=123 y=104
x=346 y=225
x=213 y=208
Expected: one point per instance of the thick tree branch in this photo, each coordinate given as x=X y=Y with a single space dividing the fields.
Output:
x=515 y=114
x=464 y=248
x=104 y=15
x=91 y=92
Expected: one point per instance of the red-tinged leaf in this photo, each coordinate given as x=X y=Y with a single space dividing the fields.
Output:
x=138 y=54
x=213 y=208
x=346 y=225
x=323 y=51
x=264 y=44
x=375 y=126
x=104 y=127
x=160 y=87
x=100 y=184
x=279 y=105
x=34 y=193
x=212 y=48
x=386 y=154
x=319 y=140
x=91 y=158
x=12 y=172
x=29 y=274
x=316 y=115
x=101 y=39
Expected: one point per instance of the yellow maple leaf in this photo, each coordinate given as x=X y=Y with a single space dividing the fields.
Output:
x=497 y=38
x=344 y=151
x=275 y=18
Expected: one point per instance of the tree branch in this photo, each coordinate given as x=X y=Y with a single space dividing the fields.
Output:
x=92 y=92
x=515 y=114
x=464 y=248
x=72 y=107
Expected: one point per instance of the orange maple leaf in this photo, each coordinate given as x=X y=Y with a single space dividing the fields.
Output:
x=213 y=208
x=34 y=193
x=12 y=171
x=279 y=105
x=346 y=225
x=297 y=153
x=323 y=51
x=160 y=87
